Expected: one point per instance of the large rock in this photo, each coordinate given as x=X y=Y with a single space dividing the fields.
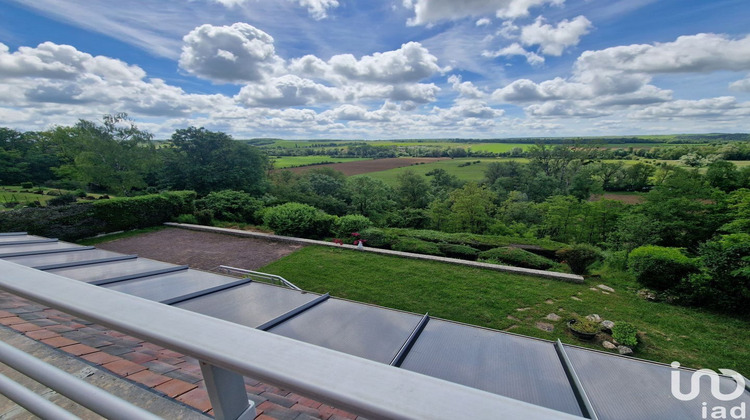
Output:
x=545 y=326
x=609 y=346
x=605 y=287
x=625 y=350
x=554 y=317
x=594 y=318
x=607 y=326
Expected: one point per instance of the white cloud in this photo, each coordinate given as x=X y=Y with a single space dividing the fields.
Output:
x=720 y=107
x=286 y=91
x=410 y=63
x=516 y=49
x=318 y=9
x=741 y=85
x=553 y=40
x=465 y=89
x=483 y=22
x=699 y=53
x=431 y=11
x=235 y=53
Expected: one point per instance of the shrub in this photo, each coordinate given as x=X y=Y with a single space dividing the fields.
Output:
x=69 y=222
x=378 y=238
x=585 y=326
x=416 y=246
x=517 y=257
x=296 y=219
x=204 y=217
x=143 y=211
x=231 y=206
x=62 y=200
x=625 y=334
x=344 y=226
x=659 y=267
x=463 y=252
x=27 y=185
x=187 y=218
x=579 y=256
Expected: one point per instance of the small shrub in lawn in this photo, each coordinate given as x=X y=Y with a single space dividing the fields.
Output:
x=378 y=238
x=296 y=219
x=417 y=246
x=203 y=217
x=463 y=252
x=517 y=257
x=345 y=225
x=79 y=193
x=625 y=334
x=579 y=256
x=659 y=267
x=62 y=200
x=27 y=185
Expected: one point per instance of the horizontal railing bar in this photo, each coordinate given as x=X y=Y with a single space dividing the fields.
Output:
x=142 y=274
x=364 y=387
x=294 y=312
x=86 y=262
x=28 y=242
x=205 y=292
x=89 y=396
x=33 y=403
x=263 y=275
x=45 y=251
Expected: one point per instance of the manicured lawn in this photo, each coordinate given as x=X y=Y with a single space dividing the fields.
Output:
x=669 y=333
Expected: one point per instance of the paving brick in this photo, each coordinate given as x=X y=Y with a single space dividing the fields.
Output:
x=139 y=358
x=148 y=378
x=169 y=353
x=170 y=360
x=36 y=316
x=41 y=334
x=175 y=387
x=11 y=320
x=100 y=358
x=78 y=349
x=124 y=367
x=279 y=400
x=58 y=341
x=60 y=328
x=116 y=350
x=197 y=398
x=25 y=327
x=304 y=409
x=95 y=342
x=5 y=314
x=159 y=367
x=184 y=376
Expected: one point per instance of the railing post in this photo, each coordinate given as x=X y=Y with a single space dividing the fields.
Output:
x=227 y=393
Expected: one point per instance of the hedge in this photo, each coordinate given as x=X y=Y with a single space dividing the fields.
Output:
x=579 y=257
x=297 y=219
x=417 y=246
x=516 y=257
x=231 y=206
x=344 y=226
x=659 y=267
x=82 y=220
x=483 y=242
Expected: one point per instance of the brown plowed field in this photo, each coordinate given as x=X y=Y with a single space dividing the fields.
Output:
x=367 y=166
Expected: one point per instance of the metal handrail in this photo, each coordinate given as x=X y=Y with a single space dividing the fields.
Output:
x=266 y=276
x=89 y=396
x=362 y=386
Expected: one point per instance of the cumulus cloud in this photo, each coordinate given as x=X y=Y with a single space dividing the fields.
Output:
x=431 y=11
x=719 y=107
x=286 y=91
x=410 y=63
x=236 y=53
x=699 y=53
x=741 y=85
x=318 y=9
x=553 y=40
x=483 y=22
x=516 y=49
x=465 y=89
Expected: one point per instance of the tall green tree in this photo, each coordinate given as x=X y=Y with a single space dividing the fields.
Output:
x=204 y=161
x=412 y=190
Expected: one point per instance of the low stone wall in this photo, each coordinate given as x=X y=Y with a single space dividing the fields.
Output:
x=570 y=278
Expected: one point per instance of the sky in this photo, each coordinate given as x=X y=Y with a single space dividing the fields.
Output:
x=347 y=69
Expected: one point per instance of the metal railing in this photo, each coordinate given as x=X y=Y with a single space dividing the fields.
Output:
x=271 y=278
x=229 y=351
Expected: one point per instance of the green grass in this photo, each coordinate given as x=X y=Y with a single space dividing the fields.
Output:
x=282 y=162
x=487 y=298
x=121 y=235
x=473 y=172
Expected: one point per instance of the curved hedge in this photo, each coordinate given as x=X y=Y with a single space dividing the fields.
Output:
x=516 y=257
x=659 y=267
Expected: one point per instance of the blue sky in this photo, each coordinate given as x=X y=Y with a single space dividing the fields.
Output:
x=380 y=69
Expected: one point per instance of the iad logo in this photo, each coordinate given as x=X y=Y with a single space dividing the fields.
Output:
x=718 y=412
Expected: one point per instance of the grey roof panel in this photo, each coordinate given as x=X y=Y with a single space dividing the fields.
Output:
x=251 y=305
x=624 y=388
x=10 y=250
x=43 y=260
x=103 y=271
x=517 y=367
x=20 y=238
x=362 y=330
x=168 y=286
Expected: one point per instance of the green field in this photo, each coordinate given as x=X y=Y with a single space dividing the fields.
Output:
x=486 y=298
x=282 y=162
x=473 y=172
